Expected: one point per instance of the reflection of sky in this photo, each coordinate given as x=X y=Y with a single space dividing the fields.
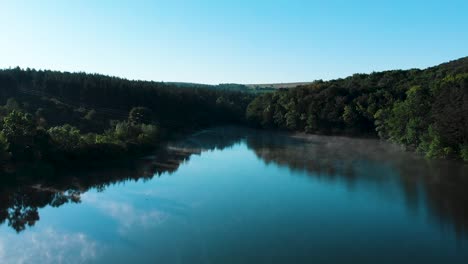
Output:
x=125 y=213
x=47 y=246
x=222 y=204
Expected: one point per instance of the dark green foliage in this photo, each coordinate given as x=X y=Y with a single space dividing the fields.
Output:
x=66 y=138
x=61 y=116
x=408 y=118
x=432 y=145
x=450 y=110
x=140 y=115
x=464 y=152
x=12 y=104
x=130 y=133
x=4 y=149
x=425 y=110
x=70 y=97
x=25 y=142
x=21 y=134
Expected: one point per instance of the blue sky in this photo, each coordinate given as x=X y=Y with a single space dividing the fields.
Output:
x=231 y=41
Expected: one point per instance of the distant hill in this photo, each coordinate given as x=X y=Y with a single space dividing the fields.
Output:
x=275 y=86
x=221 y=86
x=253 y=88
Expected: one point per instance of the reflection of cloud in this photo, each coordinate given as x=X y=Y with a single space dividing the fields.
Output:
x=47 y=246
x=126 y=215
x=2 y=250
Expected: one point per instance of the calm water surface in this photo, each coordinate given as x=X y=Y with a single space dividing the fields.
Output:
x=231 y=195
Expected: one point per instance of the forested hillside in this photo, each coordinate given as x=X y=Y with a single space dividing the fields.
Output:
x=181 y=106
x=60 y=116
x=48 y=115
x=425 y=110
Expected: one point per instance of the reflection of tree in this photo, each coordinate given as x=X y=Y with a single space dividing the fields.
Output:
x=327 y=157
x=215 y=138
x=19 y=206
x=447 y=194
x=21 y=213
x=23 y=194
x=441 y=184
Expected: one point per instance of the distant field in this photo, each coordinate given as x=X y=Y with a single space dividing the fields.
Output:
x=253 y=88
x=276 y=85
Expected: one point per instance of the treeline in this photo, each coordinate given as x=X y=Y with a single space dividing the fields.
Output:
x=424 y=110
x=112 y=97
x=59 y=117
x=53 y=115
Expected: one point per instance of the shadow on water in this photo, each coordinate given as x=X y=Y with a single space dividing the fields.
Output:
x=441 y=186
x=31 y=188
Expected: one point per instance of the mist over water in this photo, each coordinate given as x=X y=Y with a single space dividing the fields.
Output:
x=232 y=195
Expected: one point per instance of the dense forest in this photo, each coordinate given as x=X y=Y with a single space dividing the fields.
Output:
x=60 y=116
x=424 y=110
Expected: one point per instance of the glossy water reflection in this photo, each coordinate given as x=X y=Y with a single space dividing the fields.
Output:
x=232 y=195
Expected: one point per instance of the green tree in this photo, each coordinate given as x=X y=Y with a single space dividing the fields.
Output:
x=464 y=152
x=91 y=115
x=409 y=119
x=140 y=115
x=66 y=137
x=4 y=147
x=20 y=131
x=12 y=104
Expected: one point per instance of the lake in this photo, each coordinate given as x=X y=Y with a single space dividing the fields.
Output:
x=232 y=195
